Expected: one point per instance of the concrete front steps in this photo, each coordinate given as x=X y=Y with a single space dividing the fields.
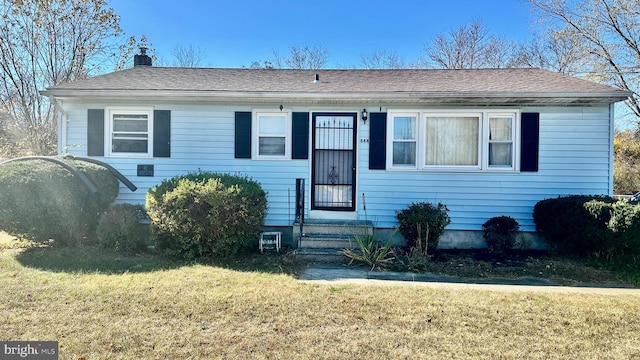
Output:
x=324 y=240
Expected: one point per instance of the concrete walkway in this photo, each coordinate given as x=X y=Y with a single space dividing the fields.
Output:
x=337 y=274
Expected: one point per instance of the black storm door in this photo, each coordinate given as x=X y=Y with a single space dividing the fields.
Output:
x=334 y=161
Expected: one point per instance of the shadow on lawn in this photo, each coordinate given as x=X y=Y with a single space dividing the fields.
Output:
x=93 y=259
x=270 y=263
x=89 y=259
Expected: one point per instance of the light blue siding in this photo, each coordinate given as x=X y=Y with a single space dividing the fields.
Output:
x=574 y=158
x=202 y=138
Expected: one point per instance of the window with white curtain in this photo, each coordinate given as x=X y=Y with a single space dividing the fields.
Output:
x=456 y=140
x=405 y=139
x=452 y=140
x=501 y=141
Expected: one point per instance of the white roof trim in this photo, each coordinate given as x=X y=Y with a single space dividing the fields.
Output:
x=332 y=97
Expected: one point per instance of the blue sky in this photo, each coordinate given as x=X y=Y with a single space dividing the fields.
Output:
x=233 y=33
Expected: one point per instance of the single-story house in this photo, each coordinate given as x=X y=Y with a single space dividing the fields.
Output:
x=485 y=142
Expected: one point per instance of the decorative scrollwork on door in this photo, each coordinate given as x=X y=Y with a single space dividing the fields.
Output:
x=332 y=175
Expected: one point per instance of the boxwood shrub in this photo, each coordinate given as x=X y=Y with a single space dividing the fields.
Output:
x=206 y=214
x=590 y=225
x=422 y=224
x=41 y=200
x=625 y=226
x=500 y=233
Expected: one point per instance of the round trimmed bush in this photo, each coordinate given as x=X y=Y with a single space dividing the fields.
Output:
x=575 y=224
x=422 y=224
x=41 y=200
x=120 y=228
x=206 y=214
x=500 y=233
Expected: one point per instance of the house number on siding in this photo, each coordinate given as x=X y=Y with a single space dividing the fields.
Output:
x=364 y=141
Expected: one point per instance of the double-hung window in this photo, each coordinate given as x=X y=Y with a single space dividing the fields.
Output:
x=500 y=141
x=452 y=140
x=130 y=131
x=272 y=135
x=405 y=137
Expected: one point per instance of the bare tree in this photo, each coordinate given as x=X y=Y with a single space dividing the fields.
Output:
x=6 y=150
x=188 y=56
x=302 y=57
x=130 y=48
x=608 y=31
x=554 y=51
x=382 y=60
x=498 y=52
x=45 y=43
x=257 y=64
x=468 y=47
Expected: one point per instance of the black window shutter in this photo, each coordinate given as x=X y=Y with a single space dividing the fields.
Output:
x=377 y=141
x=95 y=132
x=243 y=135
x=300 y=135
x=529 y=137
x=161 y=133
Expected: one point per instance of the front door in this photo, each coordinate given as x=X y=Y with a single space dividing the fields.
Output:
x=334 y=161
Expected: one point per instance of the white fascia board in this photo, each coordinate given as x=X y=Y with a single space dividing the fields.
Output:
x=404 y=97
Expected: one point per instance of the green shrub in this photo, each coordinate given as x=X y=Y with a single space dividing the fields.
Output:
x=595 y=226
x=120 y=228
x=422 y=224
x=206 y=214
x=625 y=226
x=574 y=224
x=500 y=233
x=371 y=252
x=41 y=200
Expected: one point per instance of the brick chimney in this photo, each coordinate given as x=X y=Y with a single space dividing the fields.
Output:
x=142 y=59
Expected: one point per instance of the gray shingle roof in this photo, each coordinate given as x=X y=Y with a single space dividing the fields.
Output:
x=360 y=85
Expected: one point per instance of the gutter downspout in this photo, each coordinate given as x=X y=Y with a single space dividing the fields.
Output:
x=612 y=131
x=62 y=125
x=56 y=104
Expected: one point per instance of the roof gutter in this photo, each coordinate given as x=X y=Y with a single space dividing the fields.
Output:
x=333 y=97
x=56 y=104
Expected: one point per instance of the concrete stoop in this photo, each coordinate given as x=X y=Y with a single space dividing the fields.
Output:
x=324 y=240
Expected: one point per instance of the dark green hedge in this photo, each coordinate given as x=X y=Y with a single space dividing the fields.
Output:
x=597 y=226
x=206 y=214
x=41 y=200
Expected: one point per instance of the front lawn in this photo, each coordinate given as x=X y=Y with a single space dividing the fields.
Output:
x=101 y=306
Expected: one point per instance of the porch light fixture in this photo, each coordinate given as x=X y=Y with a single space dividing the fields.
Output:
x=365 y=115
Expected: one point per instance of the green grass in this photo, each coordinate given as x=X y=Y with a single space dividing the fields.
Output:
x=101 y=306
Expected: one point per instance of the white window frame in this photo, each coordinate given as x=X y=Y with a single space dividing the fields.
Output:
x=483 y=141
x=110 y=111
x=390 y=128
x=423 y=144
x=255 y=134
x=515 y=141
